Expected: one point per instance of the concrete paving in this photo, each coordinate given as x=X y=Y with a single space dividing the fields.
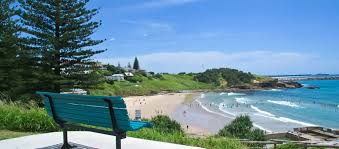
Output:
x=84 y=140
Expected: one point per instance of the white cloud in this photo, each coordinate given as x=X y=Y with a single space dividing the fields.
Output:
x=151 y=4
x=150 y=25
x=260 y=62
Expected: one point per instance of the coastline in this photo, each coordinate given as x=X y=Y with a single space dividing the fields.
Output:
x=168 y=104
x=188 y=112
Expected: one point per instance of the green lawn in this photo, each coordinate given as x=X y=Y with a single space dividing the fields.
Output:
x=170 y=83
x=7 y=134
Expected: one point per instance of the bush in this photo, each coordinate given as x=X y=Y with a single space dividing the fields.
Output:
x=295 y=146
x=179 y=138
x=163 y=123
x=136 y=79
x=241 y=127
x=30 y=118
x=257 y=135
x=159 y=76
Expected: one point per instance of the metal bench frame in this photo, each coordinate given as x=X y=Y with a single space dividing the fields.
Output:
x=65 y=126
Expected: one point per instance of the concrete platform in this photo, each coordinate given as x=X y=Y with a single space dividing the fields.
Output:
x=84 y=140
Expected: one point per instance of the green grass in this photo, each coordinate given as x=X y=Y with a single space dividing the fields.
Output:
x=16 y=117
x=7 y=134
x=17 y=120
x=171 y=83
x=179 y=138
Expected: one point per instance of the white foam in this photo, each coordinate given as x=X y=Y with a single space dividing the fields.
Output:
x=221 y=109
x=202 y=96
x=262 y=112
x=235 y=94
x=338 y=106
x=282 y=119
x=210 y=111
x=285 y=103
x=262 y=128
x=242 y=100
x=222 y=93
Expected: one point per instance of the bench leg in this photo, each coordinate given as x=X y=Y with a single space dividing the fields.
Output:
x=118 y=142
x=65 y=145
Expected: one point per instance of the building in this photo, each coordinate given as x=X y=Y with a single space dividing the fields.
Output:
x=129 y=74
x=116 y=77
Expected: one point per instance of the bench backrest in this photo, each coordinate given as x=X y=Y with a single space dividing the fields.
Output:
x=89 y=110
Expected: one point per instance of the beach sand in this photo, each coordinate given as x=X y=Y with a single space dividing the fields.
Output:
x=181 y=107
x=195 y=116
x=150 y=106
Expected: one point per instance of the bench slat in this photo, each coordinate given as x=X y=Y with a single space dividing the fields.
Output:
x=99 y=102
x=90 y=110
x=88 y=114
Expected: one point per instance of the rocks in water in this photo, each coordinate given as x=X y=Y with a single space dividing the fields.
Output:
x=312 y=87
x=278 y=84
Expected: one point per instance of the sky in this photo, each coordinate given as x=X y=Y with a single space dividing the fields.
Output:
x=265 y=37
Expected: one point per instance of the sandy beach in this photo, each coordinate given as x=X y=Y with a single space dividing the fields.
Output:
x=150 y=106
x=174 y=105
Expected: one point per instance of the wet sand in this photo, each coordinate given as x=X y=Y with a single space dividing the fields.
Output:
x=193 y=115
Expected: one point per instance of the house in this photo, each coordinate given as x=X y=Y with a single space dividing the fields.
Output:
x=115 y=77
x=129 y=74
x=77 y=91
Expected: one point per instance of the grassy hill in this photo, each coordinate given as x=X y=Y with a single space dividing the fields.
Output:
x=147 y=86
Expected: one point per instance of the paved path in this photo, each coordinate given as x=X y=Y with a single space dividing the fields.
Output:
x=84 y=140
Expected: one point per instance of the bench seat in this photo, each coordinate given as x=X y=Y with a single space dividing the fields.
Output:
x=78 y=111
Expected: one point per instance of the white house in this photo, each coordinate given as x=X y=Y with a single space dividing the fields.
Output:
x=116 y=77
x=129 y=74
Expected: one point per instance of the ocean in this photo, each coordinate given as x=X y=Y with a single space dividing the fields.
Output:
x=280 y=110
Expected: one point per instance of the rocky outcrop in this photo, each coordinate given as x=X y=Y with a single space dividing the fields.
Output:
x=278 y=84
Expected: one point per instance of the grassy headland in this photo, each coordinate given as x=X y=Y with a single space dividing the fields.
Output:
x=148 y=85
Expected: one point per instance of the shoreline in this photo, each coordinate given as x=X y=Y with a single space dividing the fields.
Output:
x=196 y=118
x=164 y=104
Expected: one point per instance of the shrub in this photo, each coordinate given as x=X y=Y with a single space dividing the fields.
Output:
x=241 y=127
x=179 y=138
x=163 y=123
x=257 y=135
x=159 y=76
x=295 y=146
x=19 y=118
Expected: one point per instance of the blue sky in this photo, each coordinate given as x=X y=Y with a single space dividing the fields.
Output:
x=261 y=36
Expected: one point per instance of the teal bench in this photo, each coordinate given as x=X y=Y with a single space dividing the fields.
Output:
x=82 y=112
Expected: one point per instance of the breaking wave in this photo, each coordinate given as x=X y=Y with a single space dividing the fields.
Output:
x=242 y=100
x=285 y=103
x=235 y=94
x=282 y=119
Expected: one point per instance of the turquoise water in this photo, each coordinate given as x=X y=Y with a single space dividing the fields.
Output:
x=281 y=109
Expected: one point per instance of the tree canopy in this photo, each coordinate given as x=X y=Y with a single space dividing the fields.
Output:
x=58 y=33
x=136 y=64
x=224 y=76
